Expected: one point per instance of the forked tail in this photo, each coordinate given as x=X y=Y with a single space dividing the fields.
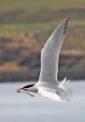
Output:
x=64 y=83
x=66 y=90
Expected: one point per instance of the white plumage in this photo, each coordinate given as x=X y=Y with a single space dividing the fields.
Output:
x=48 y=84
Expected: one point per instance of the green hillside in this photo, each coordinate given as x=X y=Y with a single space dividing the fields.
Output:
x=19 y=15
x=40 y=5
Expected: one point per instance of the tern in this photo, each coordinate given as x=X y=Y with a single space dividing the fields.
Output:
x=48 y=84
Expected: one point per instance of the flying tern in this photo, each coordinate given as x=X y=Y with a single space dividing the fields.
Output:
x=48 y=84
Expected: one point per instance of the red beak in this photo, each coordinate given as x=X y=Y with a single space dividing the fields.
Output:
x=18 y=90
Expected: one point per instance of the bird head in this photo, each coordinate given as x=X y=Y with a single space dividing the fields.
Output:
x=24 y=88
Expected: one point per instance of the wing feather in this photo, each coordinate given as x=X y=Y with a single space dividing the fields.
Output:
x=50 y=54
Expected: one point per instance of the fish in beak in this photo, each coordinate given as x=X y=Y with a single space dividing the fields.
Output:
x=19 y=90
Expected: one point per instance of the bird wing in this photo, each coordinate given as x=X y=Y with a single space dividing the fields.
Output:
x=50 y=54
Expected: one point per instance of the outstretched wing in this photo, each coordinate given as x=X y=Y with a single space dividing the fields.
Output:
x=50 y=54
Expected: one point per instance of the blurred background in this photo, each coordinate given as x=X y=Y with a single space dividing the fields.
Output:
x=24 y=28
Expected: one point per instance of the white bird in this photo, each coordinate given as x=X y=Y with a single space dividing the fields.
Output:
x=48 y=84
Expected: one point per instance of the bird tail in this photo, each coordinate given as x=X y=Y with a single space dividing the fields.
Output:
x=64 y=83
x=67 y=91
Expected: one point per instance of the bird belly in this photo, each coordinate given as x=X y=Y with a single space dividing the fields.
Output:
x=51 y=95
x=58 y=94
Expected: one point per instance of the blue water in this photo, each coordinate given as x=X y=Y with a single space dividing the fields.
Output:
x=21 y=108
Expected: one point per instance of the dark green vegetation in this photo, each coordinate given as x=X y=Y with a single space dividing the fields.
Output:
x=24 y=28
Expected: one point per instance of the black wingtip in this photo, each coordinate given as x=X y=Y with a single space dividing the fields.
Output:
x=66 y=23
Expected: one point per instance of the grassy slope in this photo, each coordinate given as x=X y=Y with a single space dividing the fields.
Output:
x=35 y=6
x=42 y=9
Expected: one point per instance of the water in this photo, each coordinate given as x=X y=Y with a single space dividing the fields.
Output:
x=21 y=108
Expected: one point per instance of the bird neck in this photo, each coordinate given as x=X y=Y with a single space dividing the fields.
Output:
x=33 y=89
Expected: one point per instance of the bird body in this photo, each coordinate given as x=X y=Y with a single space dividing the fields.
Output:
x=48 y=84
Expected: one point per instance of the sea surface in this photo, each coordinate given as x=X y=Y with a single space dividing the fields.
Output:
x=22 y=108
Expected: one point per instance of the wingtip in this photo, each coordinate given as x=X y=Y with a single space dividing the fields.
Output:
x=66 y=20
